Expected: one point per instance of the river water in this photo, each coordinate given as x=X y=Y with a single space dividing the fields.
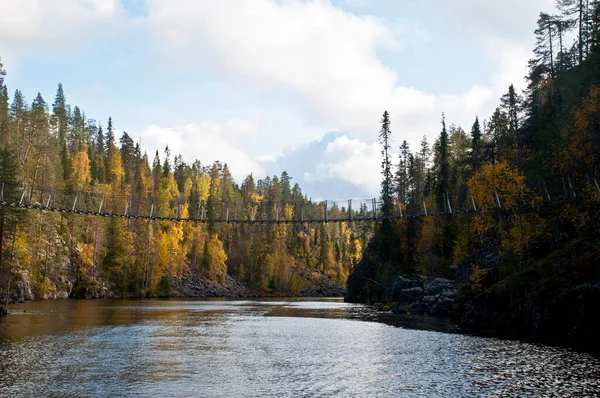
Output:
x=325 y=348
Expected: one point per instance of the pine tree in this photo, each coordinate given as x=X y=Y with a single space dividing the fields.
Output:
x=156 y=173
x=546 y=38
x=166 y=168
x=402 y=175
x=577 y=11
x=476 y=146
x=4 y=119
x=110 y=135
x=61 y=123
x=100 y=157
x=128 y=156
x=387 y=179
x=443 y=172
x=10 y=183
x=19 y=113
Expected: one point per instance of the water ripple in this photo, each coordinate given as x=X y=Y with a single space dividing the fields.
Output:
x=266 y=349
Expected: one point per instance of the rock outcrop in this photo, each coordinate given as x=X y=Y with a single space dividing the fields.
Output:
x=319 y=285
x=196 y=286
x=415 y=297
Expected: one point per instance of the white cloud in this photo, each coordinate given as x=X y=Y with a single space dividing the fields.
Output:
x=206 y=142
x=51 y=28
x=327 y=58
x=351 y=161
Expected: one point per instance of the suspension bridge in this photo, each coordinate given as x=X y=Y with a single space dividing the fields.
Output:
x=136 y=208
x=264 y=212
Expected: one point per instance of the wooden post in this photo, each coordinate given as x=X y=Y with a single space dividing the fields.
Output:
x=571 y=187
x=49 y=198
x=350 y=210
x=177 y=210
x=203 y=211
x=326 y=220
x=374 y=203
x=152 y=207
x=472 y=201
x=101 y=203
x=498 y=200
x=449 y=206
x=547 y=194
x=2 y=194
x=75 y=201
x=127 y=204
x=22 y=196
x=425 y=207
x=227 y=213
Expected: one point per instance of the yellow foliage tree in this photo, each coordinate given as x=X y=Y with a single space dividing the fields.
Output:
x=115 y=168
x=80 y=170
x=580 y=147
x=214 y=259
x=501 y=182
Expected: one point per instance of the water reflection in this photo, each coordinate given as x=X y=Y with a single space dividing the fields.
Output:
x=265 y=348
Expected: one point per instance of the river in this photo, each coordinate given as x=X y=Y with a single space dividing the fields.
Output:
x=265 y=348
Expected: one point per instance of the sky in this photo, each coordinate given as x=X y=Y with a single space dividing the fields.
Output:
x=273 y=85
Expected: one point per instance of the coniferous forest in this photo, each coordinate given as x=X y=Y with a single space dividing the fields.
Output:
x=517 y=198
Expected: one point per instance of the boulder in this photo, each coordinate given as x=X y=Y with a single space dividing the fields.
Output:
x=438 y=286
x=402 y=283
x=408 y=296
x=429 y=300
x=418 y=307
x=442 y=307
x=449 y=293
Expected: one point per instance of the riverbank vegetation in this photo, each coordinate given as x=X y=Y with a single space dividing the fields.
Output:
x=526 y=182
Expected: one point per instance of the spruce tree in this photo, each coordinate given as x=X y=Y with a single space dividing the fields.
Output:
x=387 y=180
x=4 y=129
x=443 y=175
x=476 y=145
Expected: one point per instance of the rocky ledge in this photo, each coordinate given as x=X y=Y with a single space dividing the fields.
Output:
x=414 y=296
x=196 y=286
x=319 y=285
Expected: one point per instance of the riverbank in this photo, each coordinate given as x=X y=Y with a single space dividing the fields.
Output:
x=556 y=309
x=191 y=285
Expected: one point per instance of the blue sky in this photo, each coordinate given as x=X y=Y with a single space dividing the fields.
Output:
x=271 y=84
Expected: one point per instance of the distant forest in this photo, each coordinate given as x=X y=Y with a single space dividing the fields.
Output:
x=531 y=171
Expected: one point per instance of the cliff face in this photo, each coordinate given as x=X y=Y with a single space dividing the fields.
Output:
x=550 y=311
x=540 y=304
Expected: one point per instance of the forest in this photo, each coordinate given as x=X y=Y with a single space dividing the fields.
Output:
x=513 y=197
x=58 y=150
x=513 y=203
